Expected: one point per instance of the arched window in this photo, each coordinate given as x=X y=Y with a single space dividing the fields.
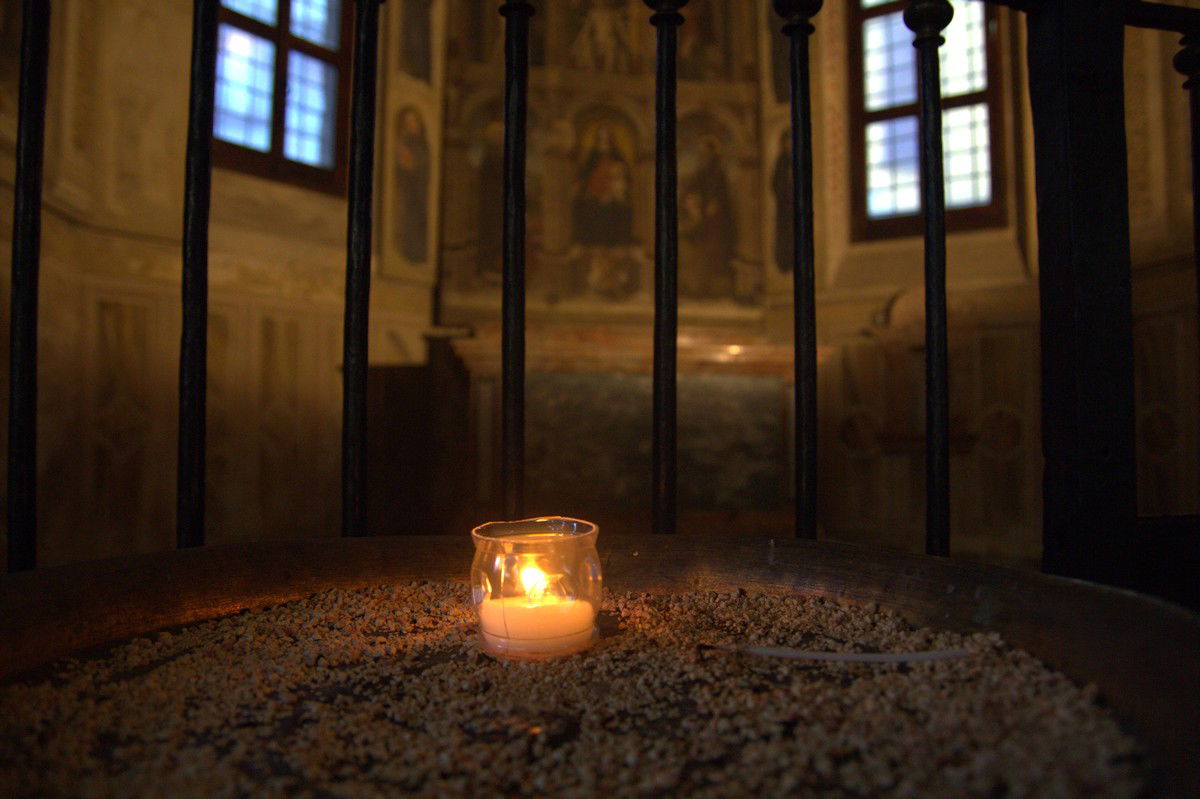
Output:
x=282 y=90
x=885 y=154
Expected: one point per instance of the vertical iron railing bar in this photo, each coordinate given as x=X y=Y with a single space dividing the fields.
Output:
x=26 y=247
x=927 y=19
x=1187 y=63
x=666 y=19
x=797 y=15
x=358 y=268
x=512 y=346
x=193 y=339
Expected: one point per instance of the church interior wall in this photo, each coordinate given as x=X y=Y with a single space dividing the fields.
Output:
x=109 y=299
x=110 y=269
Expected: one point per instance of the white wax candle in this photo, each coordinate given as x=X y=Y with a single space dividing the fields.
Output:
x=541 y=625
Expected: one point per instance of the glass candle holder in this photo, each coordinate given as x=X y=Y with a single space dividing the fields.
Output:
x=536 y=586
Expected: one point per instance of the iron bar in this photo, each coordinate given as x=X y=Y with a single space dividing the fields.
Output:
x=358 y=268
x=666 y=19
x=193 y=344
x=516 y=83
x=26 y=247
x=927 y=19
x=798 y=28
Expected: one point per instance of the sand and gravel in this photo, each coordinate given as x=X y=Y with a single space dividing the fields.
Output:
x=382 y=692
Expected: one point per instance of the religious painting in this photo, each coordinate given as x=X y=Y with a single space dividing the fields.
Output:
x=476 y=32
x=600 y=35
x=410 y=176
x=416 y=39
x=785 y=207
x=488 y=158
x=707 y=215
x=703 y=43
x=602 y=210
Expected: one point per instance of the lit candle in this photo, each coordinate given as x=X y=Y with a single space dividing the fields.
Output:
x=538 y=623
x=524 y=610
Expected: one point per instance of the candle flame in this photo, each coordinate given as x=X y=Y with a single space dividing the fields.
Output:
x=534 y=581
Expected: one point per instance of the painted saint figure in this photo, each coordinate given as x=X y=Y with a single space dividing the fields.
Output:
x=701 y=55
x=707 y=228
x=602 y=42
x=411 y=177
x=602 y=212
x=416 y=39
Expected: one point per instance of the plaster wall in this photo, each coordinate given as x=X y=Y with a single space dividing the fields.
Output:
x=110 y=293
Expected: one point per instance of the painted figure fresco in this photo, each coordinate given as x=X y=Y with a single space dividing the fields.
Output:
x=476 y=32
x=602 y=210
x=411 y=176
x=600 y=38
x=707 y=226
x=703 y=52
x=416 y=57
x=781 y=187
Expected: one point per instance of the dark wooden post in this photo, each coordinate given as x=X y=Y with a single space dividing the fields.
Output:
x=512 y=347
x=358 y=269
x=797 y=27
x=1077 y=93
x=927 y=19
x=193 y=344
x=666 y=19
x=26 y=248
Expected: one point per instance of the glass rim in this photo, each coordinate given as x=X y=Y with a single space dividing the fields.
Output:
x=536 y=529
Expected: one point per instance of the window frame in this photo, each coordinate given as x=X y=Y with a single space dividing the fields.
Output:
x=272 y=164
x=995 y=213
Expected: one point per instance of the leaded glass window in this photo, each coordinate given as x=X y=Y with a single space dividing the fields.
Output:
x=281 y=90
x=885 y=144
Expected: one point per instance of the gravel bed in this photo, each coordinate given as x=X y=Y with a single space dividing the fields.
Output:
x=382 y=691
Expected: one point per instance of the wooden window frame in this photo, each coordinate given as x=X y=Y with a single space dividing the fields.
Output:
x=273 y=164
x=995 y=213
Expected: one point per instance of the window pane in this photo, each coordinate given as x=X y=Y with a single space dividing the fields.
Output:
x=245 y=70
x=968 y=155
x=964 y=55
x=319 y=21
x=311 y=110
x=261 y=10
x=893 y=168
x=893 y=162
x=889 y=71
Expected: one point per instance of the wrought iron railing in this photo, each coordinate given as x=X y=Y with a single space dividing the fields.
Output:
x=1077 y=100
